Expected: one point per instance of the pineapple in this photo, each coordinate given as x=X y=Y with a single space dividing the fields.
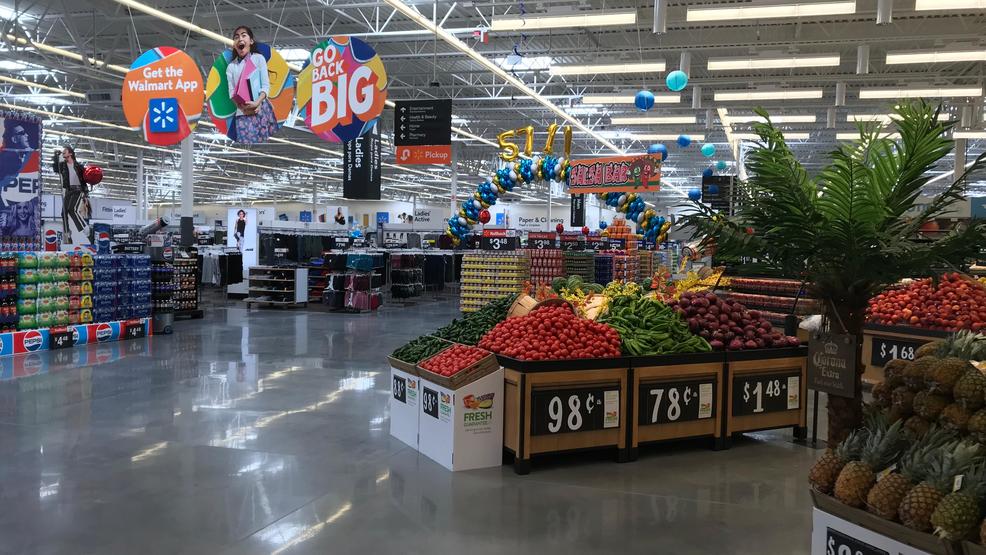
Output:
x=823 y=474
x=886 y=495
x=929 y=405
x=964 y=345
x=920 y=502
x=945 y=373
x=882 y=446
x=970 y=389
x=916 y=427
x=958 y=512
x=902 y=399
x=928 y=349
x=955 y=417
x=914 y=373
x=881 y=395
x=976 y=426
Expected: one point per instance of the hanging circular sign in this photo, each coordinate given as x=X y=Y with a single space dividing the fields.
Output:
x=219 y=100
x=342 y=89
x=162 y=95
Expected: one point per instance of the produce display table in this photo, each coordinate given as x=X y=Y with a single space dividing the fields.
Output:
x=881 y=344
x=565 y=405
x=766 y=389
x=676 y=397
x=404 y=401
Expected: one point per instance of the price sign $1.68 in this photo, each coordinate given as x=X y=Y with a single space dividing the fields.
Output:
x=886 y=349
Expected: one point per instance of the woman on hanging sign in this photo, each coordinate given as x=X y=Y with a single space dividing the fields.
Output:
x=75 y=201
x=240 y=229
x=249 y=87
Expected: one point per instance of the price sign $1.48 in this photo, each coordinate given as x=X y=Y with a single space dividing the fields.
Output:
x=669 y=402
x=766 y=393
x=574 y=410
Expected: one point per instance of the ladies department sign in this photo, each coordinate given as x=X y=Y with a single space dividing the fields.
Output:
x=342 y=89
x=615 y=174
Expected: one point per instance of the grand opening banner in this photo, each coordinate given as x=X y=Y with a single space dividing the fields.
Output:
x=641 y=173
x=20 y=175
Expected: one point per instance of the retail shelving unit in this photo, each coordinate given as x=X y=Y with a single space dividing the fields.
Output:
x=186 y=292
x=775 y=298
x=284 y=286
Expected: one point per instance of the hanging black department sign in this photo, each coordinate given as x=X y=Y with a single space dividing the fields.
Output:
x=832 y=363
x=361 y=167
x=577 y=217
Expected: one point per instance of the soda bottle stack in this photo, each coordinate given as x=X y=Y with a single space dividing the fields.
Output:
x=81 y=276
x=8 y=292
x=137 y=295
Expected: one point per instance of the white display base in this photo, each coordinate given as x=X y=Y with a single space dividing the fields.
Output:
x=833 y=535
x=457 y=437
x=405 y=393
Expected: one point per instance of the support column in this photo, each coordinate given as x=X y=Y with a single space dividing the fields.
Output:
x=141 y=188
x=548 y=222
x=455 y=177
x=314 y=200
x=187 y=192
x=960 y=146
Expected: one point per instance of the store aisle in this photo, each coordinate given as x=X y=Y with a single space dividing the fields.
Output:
x=267 y=432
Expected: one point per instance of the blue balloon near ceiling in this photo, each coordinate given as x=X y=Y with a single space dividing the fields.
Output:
x=694 y=194
x=713 y=189
x=721 y=165
x=676 y=80
x=708 y=150
x=707 y=172
x=658 y=149
x=644 y=100
x=684 y=141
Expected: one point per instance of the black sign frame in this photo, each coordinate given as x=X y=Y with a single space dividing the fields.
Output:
x=399 y=389
x=645 y=405
x=498 y=244
x=589 y=420
x=768 y=403
x=892 y=347
x=429 y=397
x=62 y=339
x=423 y=122
x=135 y=330
x=856 y=547
x=577 y=212
x=361 y=166
x=832 y=363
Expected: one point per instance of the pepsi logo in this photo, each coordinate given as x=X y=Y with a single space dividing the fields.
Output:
x=2 y=340
x=75 y=336
x=51 y=236
x=104 y=332
x=104 y=236
x=33 y=340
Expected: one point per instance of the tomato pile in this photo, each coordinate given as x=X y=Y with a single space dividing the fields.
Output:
x=957 y=303
x=453 y=360
x=552 y=333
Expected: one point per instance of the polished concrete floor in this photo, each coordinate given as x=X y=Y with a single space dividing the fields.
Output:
x=267 y=432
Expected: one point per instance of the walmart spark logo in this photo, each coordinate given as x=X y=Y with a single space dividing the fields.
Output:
x=164 y=115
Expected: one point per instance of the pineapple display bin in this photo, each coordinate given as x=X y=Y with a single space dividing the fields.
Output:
x=835 y=525
x=765 y=389
x=676 y=397
x=560 y=406
x=882 y=344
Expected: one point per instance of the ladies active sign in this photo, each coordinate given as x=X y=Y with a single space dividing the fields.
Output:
x=342 y=89
x=163 y=95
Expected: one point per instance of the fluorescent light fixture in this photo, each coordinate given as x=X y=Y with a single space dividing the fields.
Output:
x=940 y=92
x=41 y=86
x=609 y=69
x=651 y=136
x=514 y=62
x=787 y=136
x=770 y=62
x=627 y=98
x=784 y=94
x=753 y=118
x=653 y=120
x=770 y=11
x=853 y=135
x=936 y=57
x=583 y=19
x=887 y=119
x=969 y=135
x=932 y=5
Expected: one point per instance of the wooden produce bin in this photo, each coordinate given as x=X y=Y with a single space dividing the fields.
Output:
x=676 y=397
x=766 y=389
x=564 y=405
x=882 y=344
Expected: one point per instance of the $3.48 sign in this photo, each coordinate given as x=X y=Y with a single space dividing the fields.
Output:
x=498 y=243
x=886 y=349
x=758 y=394
x=669 y=402
x=574 y=410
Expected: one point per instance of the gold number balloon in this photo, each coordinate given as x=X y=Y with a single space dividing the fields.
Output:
x=511 y=148
x=568 y=142
x=550 y=143
x=529 y=141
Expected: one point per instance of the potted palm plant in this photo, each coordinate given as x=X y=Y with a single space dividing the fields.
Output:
x=851 y=230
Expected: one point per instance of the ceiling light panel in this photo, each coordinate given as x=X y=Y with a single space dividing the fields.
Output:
x=627 y=98
x=788 y=136
x=753 y=118
x=929 y=5
x=652 y=120
x=853 y=135
x=936 y=57
x=969 y=135
x=608 y=69
x=605 y=18
x=941 y=92
x=786 y=94
x=781 y=62
x=770 y=11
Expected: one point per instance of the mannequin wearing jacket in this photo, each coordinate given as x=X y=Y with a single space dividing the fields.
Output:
x=75 y=201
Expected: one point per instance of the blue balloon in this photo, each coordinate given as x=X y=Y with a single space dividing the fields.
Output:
x=708 y=150
x=713 y=189
x=721 y=165
x=694 y=194
x=603 y=225
x=644 y=100
x=707 y=172
x=676 y=80
x=684 y=141
x=658 y=149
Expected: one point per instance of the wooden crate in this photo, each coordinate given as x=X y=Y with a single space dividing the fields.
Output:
x=899 y=336
x=486 y=365
x=781 y=374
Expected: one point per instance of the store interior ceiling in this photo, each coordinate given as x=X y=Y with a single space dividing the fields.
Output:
x=816 y=64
